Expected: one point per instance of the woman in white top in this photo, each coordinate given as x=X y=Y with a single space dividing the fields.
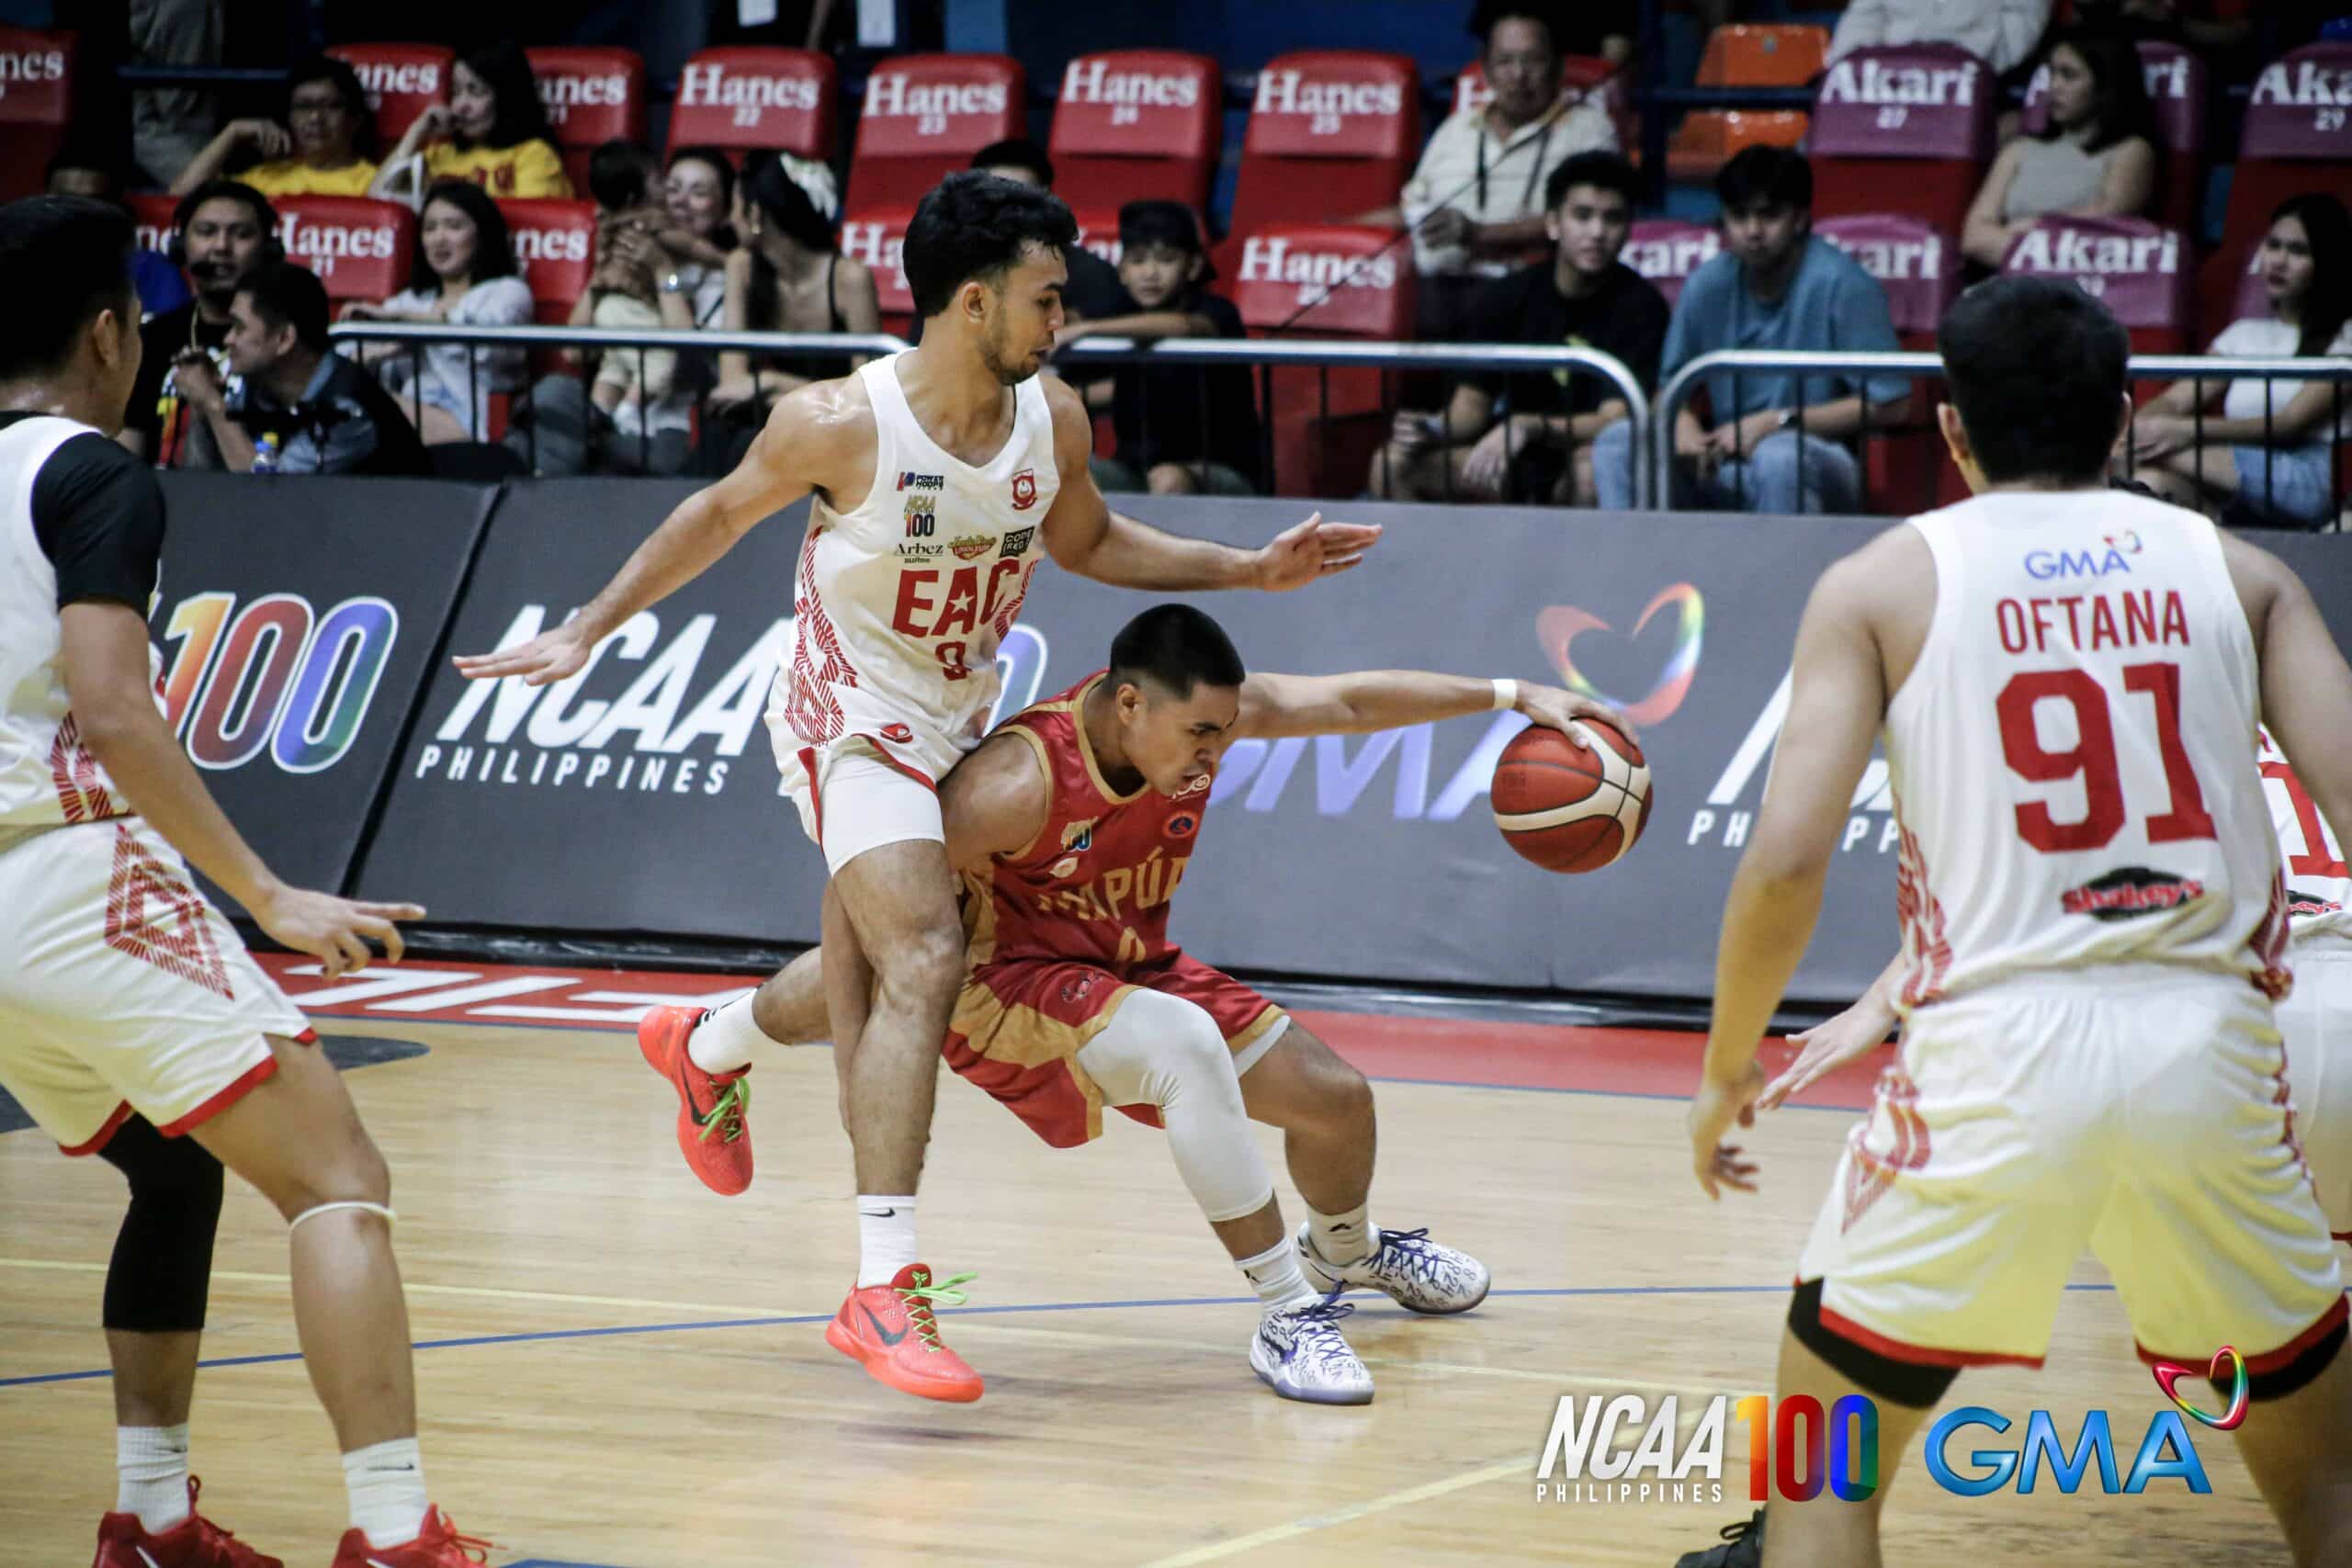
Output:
x=463 y=274
x=2097 y=158
x=2272 y=448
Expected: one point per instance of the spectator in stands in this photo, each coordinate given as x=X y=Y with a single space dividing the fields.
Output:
x=324 y=148
x=497 y=131
x=300 y=408
x=2097 y=158
x=223 y=230
x=1476 y=200
x=1093 y=290
x=1779 y=442
x=1182 y=430
x=462 y=272
x=2005 y=34
x=79 y=170
x=2272 y=450
x=1528 y=437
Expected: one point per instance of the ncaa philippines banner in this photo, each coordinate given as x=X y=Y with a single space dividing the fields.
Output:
x=297 y=617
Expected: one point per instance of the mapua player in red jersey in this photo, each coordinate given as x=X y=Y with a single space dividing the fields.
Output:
x=1073 y=825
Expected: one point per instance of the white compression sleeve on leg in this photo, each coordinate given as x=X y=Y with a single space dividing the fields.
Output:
x=1166 y=1052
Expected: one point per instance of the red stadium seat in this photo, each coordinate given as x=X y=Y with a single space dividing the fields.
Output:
x=878 y=238
x=359 y=247
x=1323 y=280
x=1705 y=142
x=1666 y=251
x=2138 y=269
x=1098 y=230
x=1747 y=55
x=555 y=245
x=1906 y=129
x=2297 y=137
x=403 y=80
x=151 y=218
x=744 y=98
x=2176 y=86
x=1332 y=133
x=36 y=106
x=592 y=95
x=1919 y=270
x=1135 y=125
x=924 y=117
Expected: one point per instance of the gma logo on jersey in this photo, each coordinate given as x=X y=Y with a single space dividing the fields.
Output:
x=1619 y=1449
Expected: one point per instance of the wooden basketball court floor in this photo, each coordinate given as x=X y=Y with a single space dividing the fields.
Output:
x=620 y=1369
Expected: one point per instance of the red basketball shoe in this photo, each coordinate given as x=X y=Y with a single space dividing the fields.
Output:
x=712 y=1131
x=890 y=1329
x=438 y=1545
x=194 y=1542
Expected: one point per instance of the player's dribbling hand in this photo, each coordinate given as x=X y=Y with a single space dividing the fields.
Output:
x=1556 y=709
x=1714 y=1108
x=547 y=658
x=334 y=931
x=1297 y=556
x=1854 y=1033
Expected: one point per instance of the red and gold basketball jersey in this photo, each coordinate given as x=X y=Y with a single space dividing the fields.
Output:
x=1095 y=882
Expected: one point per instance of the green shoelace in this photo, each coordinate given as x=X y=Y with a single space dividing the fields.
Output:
x=921 y=1296
x=726 y=1117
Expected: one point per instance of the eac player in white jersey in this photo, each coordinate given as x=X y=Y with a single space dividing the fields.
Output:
x=133 y=1025
x=940 y=477
x=2068 y=680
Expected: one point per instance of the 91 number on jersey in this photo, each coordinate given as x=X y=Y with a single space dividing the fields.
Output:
x=2093 y=757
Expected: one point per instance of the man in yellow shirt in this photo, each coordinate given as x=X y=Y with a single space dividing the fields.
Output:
x=322 y=153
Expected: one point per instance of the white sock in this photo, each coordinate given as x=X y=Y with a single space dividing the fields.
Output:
x=1277 y=1277
x=385 y=1484
x=151 y=1475
x=1342 y=1238
x=886 y=1237
x=726 y=1039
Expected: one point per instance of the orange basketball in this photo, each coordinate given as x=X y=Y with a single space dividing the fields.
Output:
x=1569 y=809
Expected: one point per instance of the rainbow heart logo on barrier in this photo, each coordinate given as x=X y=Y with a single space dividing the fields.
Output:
x=1557 y=628
x=2168 y=1375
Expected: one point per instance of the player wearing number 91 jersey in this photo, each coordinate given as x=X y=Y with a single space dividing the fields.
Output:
x=2067 y=681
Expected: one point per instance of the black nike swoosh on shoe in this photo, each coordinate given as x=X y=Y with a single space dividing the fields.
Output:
x=887 y=1338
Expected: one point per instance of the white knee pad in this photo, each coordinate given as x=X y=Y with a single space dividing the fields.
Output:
x=1165 y=1052
x=316 y=1210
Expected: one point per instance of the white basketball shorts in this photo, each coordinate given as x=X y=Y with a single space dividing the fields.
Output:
x=2317 y=1024
x=122 y=989
x=2141 y=1113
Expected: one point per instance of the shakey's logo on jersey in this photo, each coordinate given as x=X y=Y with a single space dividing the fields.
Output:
x=2129 y=892
x=1559 y=626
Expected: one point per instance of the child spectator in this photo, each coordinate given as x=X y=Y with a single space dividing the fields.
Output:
x=324 y=147
x=1182 y=430
x=465 y=268
x=496 y=129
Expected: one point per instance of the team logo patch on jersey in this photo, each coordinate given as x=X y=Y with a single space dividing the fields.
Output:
x=1079 y=837
x=922 y=518
x=971 y=546
x=1182 y=825
x=898 y=734
x=913 y=480
x=1075 y=989
x=1016 y=543
x=1065 y=868
x=2130 y=892
x=1025 y=490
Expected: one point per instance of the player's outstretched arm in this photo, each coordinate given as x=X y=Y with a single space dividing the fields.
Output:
x=105 y=654
x=1856 y=1031
x=994 y=801
x=2306 y=686
x=817 y=434
x=1084 y=535
x=1837 y=705
x=1371 y=700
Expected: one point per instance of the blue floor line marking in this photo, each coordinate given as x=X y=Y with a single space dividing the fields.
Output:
x=1554 y=1291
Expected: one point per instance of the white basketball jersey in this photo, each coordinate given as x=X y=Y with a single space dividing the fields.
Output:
x=2073 y=758
x=900 y=604
x=47 y=776
x=2319 y=885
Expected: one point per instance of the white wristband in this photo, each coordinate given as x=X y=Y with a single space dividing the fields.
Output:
x=1506 y=695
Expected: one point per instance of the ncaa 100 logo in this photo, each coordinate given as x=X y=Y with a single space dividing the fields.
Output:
x=275 y=675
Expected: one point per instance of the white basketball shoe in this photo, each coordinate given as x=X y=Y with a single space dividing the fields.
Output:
x=1420 y=1274
x=1300 y=1354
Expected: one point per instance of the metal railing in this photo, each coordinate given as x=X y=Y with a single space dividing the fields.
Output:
x=1858 y=368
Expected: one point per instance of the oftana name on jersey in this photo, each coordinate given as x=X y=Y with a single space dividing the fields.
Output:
x=1728 y=816
x=659 y=709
